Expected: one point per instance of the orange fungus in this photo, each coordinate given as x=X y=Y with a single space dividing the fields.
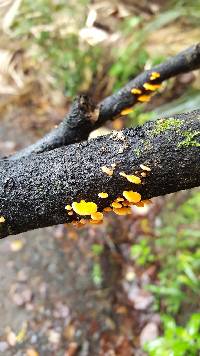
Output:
x=151 y=87
x=154 y=75
x=136 y=91
x=84 y=208
x=126 y=111
x=97 y=216
x=131 y=178
x=131 y=196
x=122 y=211
x=103 y=195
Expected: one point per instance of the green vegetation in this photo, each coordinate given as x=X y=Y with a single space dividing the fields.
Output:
x=190 y=139
x=178 y=253
x=177 y=340
x=54 y=32
x=96 y=273
x=141 y=253
x=176 y=249
x=166 y=124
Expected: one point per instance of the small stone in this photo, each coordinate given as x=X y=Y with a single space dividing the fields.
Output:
x=54 y=337
x=140 y=298
x=22 y=275
x=11 y=338
x=130 y=275
x=149 y=333
x=23 y=297
x=3 y=346
x=33 y=339
x=72 y=348
x=69 y=332
x=62 y=311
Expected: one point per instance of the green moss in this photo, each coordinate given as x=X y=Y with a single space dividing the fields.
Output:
x=166 y=124
x=147 y=145
x=137 y=152
x=190 y=139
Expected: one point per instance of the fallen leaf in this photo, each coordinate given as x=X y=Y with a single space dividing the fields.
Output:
x=16 y=245
x=31 y=352
x=11 y=338
x=54 y=337
x=20 y=337
x=71 y=351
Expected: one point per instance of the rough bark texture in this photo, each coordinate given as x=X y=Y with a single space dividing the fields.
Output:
x=77 y=125
x=35 y=190
x=83 y=118
x=183 y=62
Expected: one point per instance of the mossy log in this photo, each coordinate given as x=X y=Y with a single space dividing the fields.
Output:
x=35 y=190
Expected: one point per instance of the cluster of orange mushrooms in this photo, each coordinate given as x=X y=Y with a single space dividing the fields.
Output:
x=120 y=206
x=143 y=98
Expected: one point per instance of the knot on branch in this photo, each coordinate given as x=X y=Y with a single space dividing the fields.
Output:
x=83 y=112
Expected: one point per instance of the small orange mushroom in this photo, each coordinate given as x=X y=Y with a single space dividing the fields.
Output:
x=122 y=211
x=136 y=91
x=2 y=219
x=120 y=199
x=84 y=208
x=131 y=178
x=83 y=221
x=68 y=207
x=116 y=205
x=126 y=111
x=108 y=171
x=132 y=197
x=144 y=98
x=145 y=168
x=151 y=87
x=103 y=195
x=154 y=75
x=97 y=216
x=107 y=209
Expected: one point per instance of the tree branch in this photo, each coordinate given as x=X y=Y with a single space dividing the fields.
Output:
x=35 y=190
x=78 y=124
x=183 y=62
x=83 y=118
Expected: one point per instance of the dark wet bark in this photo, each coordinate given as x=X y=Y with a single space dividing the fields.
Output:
x=74 y=128
x=83 y=118
x=34 y=190
x=183 y=62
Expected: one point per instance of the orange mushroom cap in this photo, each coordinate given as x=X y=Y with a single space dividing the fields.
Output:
x=84 y=208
